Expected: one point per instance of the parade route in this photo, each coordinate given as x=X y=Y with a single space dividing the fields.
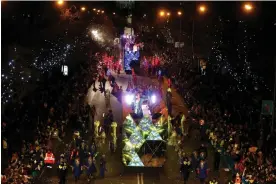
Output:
x=117 y=173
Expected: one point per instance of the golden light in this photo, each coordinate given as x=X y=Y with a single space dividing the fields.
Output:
x=162 y=13
x=102 y=11
x=168 y=14
x=94 y=9
x=202 y=9
x=248 y=7
x=99 y=11
x=179 y=13
x=60 y=2
x=83 y=8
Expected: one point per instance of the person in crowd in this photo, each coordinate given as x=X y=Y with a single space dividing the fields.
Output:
x=77 y=169
x=102 y=166
x=202 y=171
x=93 y=150
x=194 y=161
x=74 y=155
x=49 y=159
x=185 y=169
x=203 y=149
x=91 y=167
x=217 y=159
x=108 y=119
x=62 y=171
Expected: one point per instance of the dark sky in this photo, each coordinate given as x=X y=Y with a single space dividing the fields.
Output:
x=46 y=14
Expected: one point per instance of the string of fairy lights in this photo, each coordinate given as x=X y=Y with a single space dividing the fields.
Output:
x=54 y=54
x=47 y=59
x=244 y=78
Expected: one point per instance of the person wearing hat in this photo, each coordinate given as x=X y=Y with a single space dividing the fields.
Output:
x=185 y=169
x=62 y=172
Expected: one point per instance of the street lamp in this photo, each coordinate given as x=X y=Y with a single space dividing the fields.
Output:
x=248 y=7
x=94 y=9
x=83 y=8
x=114 y=13
x=102 y=11
x=168 y=14
x=202 y=9
x=179 y=13
x=162 y=13
x=60 y=2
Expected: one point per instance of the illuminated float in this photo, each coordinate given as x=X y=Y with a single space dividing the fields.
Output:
x=144 y=142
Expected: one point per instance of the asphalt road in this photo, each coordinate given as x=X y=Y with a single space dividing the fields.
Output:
x=116 y=172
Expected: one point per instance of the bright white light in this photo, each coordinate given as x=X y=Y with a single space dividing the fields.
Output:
x=153 y=99
x=97 y=35
x=129 y=99
x=94 y=32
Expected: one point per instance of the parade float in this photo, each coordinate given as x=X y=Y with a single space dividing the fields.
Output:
x=144 y=142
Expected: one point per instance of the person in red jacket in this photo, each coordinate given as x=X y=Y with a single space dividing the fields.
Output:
x=74 y=155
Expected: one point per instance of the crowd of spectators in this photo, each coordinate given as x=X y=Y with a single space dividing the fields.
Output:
x=30 y=127
x=247 y=147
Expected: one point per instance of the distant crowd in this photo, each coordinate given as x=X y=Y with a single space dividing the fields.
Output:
x=248 y=150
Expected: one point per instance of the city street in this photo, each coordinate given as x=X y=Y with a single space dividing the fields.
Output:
x=116 y=171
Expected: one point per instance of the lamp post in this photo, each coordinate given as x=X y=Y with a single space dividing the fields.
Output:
x=60 y=3
x=179 y=13
x=83 y=9
x=201 y=9
x=248 y=7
